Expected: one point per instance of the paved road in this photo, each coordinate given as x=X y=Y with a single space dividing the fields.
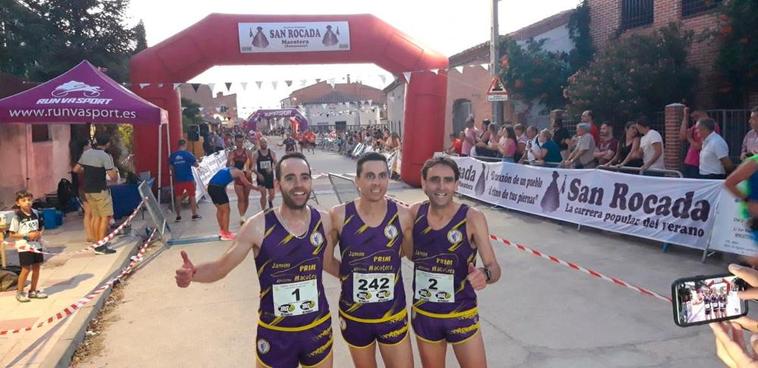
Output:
x=538 y=315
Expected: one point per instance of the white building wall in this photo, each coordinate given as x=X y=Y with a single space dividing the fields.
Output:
x=396 y=108
x=318 y=114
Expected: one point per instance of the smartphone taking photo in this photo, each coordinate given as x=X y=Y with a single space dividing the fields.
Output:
x=705 y=299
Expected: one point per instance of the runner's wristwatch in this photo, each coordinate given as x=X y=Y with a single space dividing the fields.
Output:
x=487 y=273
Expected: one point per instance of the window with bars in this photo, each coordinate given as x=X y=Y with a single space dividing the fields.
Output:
x=636 y=13
x=692 y=7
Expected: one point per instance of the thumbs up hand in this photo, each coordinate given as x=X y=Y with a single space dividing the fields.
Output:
x=476 y=277
x=184 y=274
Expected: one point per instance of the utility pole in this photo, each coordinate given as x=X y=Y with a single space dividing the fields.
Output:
x=497 y=106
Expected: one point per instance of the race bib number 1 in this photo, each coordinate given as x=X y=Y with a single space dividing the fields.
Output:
x=373 y=287
x=434 y=287
x=295 y=298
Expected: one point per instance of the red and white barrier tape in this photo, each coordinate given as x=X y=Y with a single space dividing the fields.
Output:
x=109 y=237
x=570 y=265
x=576 y=267
x=71 y=309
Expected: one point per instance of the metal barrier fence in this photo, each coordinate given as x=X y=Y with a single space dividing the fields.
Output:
x=344 y=187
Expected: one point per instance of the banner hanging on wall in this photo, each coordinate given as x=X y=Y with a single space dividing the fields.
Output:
x=677 y=211
x=294 y=37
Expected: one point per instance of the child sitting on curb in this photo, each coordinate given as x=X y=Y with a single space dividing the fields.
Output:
x=26 y=230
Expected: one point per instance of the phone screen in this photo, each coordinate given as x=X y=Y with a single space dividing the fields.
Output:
x=706 y=299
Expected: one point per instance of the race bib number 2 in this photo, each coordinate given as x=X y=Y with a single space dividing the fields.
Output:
x=373 y=287
x=295 y=298
x=434 y=287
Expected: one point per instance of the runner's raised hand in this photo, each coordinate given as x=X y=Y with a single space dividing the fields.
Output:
x=476 y=277
x=184 y=274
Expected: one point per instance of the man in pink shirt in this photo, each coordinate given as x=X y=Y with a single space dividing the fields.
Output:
x=750 y=143
x=692 y=136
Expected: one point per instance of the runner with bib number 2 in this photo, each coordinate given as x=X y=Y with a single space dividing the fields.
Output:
x=291 y=249
x=371 y=232
x=446 y=239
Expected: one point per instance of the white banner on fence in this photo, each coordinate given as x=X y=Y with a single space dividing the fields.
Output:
x=677 y=211
x=730 y=232
x=294 y=37
x=208 y=167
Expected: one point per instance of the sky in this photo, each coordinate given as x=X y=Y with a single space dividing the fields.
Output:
x=447 y=27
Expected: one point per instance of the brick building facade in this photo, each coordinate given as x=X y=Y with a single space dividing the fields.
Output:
x=468 y=80
x=220 y=109
x=327 y=106
x=611 y=18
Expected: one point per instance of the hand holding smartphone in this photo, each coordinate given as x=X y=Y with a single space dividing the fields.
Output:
x=706 y=299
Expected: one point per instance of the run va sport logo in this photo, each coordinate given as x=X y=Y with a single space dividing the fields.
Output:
x=75 y=92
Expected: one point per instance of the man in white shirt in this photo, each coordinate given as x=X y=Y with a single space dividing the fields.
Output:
x=714 y=153
x=532 y=145
x=651 y=145
x=750 y=142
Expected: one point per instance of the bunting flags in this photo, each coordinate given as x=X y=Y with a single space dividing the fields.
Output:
x=289 y=83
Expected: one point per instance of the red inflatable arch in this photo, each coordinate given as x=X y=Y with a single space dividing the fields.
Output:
x=215 y=41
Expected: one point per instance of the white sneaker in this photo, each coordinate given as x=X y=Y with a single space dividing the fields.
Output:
x=37 y=295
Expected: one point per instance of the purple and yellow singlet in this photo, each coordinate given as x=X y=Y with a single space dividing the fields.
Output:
x=441 y=258
x=372 y=284
x=290 y=272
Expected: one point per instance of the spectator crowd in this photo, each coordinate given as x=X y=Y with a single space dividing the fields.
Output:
x=637 y=148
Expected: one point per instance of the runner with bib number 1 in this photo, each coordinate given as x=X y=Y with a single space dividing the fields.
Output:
x=446 y=238
x=291 y=248
x=371 y=231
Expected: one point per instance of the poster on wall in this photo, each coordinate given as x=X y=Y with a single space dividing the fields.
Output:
x=294 y=37
x=676 y=211
x=730 y=231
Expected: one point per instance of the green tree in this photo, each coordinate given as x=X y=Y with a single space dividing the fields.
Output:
x=139 y=37
x=737 y=62
x=190 y=114
x=23 y=35
x=43 y=38
x=533 y=74
x=638 y=74
x=579 y=33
